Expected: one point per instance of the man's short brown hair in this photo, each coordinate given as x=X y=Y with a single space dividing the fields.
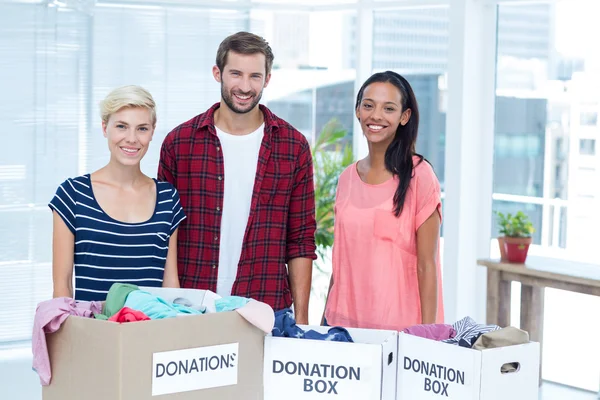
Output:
x=244 y=43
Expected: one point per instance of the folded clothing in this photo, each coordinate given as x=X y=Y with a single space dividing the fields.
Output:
x=509 y=336
x=115 y=299
x=230 y=303
x=186 y=302
x=432 y=331
x=285 y=326
x=156 y=307
x=467 y=332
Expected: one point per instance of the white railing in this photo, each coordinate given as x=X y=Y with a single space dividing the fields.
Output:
x=551 y=214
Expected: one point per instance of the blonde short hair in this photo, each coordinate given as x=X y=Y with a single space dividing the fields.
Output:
x=127 y=96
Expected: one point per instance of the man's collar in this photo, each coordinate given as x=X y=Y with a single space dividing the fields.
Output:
x=270 y=121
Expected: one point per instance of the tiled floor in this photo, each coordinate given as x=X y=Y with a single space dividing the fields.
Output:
x=19 y=382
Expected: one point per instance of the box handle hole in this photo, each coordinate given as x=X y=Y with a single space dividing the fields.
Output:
x=510 y=368
x=390 y=358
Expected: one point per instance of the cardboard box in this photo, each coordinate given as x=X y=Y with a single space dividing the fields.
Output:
x=428 y=369
x=213 y=356
x=304 y=369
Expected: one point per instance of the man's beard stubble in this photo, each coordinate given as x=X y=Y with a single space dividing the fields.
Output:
x=228 y=99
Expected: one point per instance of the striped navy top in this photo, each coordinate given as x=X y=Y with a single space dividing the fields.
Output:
x=109 y=251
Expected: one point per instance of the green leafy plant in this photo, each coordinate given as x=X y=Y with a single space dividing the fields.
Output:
x=517 y=225
x=330 y=158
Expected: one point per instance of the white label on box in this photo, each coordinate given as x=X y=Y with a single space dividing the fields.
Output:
x=194 y=369
x=322 y=369
x=436 y=378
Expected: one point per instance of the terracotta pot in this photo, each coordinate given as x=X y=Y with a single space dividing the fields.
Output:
x=516 y=249
x=502 y=249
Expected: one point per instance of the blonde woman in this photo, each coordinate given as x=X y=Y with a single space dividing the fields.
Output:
x=116 y=224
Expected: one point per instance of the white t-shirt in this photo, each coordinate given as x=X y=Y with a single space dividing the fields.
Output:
x=240 y=154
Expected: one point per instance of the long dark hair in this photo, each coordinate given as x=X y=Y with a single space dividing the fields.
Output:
x=399 y=154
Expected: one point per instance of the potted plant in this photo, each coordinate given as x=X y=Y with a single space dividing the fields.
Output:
x=516 y=231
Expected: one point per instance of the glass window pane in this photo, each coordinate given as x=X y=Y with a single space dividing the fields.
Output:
x=545 y=158
x=63 y=59
x=414 y=43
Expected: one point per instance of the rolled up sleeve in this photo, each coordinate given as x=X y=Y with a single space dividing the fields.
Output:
x=301 y=217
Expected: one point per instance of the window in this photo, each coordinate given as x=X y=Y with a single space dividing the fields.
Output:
x=588 y=118
x=63 y=61
x=44 y=126
x=415 y=44
x=539 y=154
x=587 y=147
x=314 y=79
x=560 y=142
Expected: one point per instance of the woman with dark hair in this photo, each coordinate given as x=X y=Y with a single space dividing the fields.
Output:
x=386 y=266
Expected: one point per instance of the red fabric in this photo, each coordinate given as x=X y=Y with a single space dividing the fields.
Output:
x=281 y=224
x=127 y=314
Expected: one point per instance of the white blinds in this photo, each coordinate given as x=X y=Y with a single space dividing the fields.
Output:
x=42 y=85
x=168 y=51
x=56 y=64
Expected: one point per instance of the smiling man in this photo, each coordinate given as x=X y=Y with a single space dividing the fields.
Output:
x=245 y=178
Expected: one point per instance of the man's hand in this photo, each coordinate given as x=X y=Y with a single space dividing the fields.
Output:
x=300 y=270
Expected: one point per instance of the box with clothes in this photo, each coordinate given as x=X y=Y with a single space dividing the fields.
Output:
x=315 y=362
x=467 y=361
x=147 y=342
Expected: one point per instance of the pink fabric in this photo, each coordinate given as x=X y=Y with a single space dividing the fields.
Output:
x=437 y=332
x=49 y=316
x=375 y=283
x=258 y=314
x=127 y=314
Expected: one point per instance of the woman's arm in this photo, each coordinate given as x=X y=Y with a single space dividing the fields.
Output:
x=171 y=277
x=428 y=236
x=327 y=298
x=63 y=253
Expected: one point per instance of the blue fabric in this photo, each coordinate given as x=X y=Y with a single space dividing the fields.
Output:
x=185 y=302
x=155 y=307
x=109 y=251
x=285 y=326
x=230 y=303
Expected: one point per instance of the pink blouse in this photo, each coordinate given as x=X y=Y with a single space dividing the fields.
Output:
x=375 y=283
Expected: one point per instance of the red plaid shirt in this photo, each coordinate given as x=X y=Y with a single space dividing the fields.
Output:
x=281 y=224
